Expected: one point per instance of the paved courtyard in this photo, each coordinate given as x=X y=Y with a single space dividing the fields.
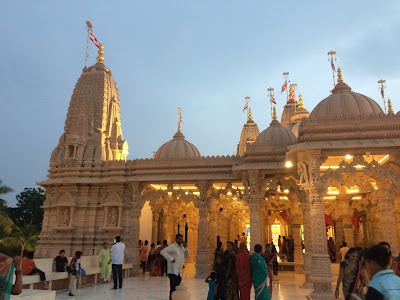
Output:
x=286 y=286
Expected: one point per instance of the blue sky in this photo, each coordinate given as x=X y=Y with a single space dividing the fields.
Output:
x=203 y=56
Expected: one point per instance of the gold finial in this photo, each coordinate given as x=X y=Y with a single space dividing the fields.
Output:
x=340 y=77
x=300 y=104
x=179 y=119
x=100 y=58
x=249 y=115
x=390 y=107
x=274 y=113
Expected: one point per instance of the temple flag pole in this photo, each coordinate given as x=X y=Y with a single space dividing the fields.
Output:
x=271 y=98
x=332 y=59
x=382 y=88
x=88 y=26
x=286 y=74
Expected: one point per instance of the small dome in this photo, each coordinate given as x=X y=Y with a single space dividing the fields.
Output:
x=294 y=128
x=343 y=102
x=275 y=135
x=177 y=148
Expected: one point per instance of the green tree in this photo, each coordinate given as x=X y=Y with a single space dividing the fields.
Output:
x=28 y=209
x=14 y=237
x=4 y=189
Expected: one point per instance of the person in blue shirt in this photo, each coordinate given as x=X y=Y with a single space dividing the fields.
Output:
x=212 y=283
x=384 y=284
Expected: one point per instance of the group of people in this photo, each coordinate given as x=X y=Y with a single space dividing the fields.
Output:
x=235 y=271
x=370 y=274
x=151 y=259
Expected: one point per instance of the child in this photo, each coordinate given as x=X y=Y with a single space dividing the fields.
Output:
x=212 y=283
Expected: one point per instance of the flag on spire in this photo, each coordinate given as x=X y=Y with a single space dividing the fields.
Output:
x=284 y=86
x=246 y=106
x=333 y=65
x=93 y=38
x=382 y=91
x=272 y=99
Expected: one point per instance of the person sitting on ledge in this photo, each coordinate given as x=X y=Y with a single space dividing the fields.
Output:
x=29 y=268
x=61 y=262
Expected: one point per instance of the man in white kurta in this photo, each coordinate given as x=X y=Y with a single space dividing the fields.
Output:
x=175 y=254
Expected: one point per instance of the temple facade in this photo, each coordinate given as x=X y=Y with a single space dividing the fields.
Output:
x=332 y=172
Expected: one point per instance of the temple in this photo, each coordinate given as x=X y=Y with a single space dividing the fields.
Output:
x=332 y=172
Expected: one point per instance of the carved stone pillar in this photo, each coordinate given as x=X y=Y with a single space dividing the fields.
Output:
x=202 y=258
x=348 y=230
x=308 y=241
x=387 y=217
x=255 y=209
x=154 y=231
x=296 y=234
x=212 y=229
x=321 y=264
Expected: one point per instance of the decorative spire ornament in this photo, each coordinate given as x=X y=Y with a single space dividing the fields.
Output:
x=340 y=77
x=100 y=58
x=249 y=115
x=274 y=113
x=390 y=107
x=300 y=104
x=179 y=119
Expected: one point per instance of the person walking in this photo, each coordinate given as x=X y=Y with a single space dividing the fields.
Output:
x=105 y=263
x=143 y=256
x=243 y=267
x=175 y=255
x=117 y=257
x=259 y=274
x=75 y=268
x=231 y=292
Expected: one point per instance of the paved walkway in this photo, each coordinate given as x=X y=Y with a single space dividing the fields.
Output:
x=286 y=286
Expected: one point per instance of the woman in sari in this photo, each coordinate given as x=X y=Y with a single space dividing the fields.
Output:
x=243 y=267
x=351 y=275
x=105 y=263
x=231 y=275
x=259 y=274
x=8 y=266
x=332 y=250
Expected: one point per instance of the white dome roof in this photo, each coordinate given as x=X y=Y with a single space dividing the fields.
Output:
x=177 y=148
x=275 y=134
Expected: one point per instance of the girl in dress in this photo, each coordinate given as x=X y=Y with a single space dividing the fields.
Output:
x=212 y=283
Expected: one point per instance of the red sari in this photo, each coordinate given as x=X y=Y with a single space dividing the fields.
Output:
x=244 y=274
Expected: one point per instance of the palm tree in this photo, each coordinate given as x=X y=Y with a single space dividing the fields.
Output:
x=24 y=237
x=4 y=189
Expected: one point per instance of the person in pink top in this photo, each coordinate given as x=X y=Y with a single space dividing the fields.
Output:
x=244 y=272
x=143 y=255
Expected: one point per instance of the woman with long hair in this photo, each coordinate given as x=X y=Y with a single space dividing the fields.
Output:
x=259 y=274
x=243 y=267
x=351 y=275
x=231 y=275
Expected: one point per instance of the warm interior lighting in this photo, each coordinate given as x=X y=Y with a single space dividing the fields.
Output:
x=348 y=156
x=288 y=164
x=329 y=197
x=383 y=159
x=357 y=198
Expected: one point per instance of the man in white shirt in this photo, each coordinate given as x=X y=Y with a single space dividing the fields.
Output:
x=117 y=257
x=175 y=254
x=344 y=250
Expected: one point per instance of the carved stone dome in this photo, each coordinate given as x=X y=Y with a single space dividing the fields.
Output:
x=276 y=135
x=343 y=102
x=177 y=148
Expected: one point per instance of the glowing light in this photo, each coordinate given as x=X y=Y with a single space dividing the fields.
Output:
x=348 y=156
x=288 y=164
